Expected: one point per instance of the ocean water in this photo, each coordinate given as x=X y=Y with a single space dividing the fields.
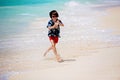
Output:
x=17 y=20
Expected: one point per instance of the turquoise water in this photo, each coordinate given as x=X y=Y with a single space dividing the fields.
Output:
x=29 y=2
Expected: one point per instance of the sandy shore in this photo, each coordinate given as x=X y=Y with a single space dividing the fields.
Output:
x=92 y=61
x=103 y=64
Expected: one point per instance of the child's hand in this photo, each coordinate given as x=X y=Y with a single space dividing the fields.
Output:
x=56 y=24
x=58 y=21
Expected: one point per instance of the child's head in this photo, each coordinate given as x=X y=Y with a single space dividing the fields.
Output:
x=53 y=13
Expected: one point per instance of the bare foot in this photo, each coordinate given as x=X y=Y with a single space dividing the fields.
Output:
x=59 y=59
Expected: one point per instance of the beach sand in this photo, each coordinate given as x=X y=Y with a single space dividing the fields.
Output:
x=100 y=65
x=92 y=61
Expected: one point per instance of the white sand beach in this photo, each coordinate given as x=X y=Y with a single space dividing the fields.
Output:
x=93 y=58
x=101 y=64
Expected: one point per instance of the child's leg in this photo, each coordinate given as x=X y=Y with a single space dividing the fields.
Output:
x=47 y=50
x=55 y=39
x=55 y=51
x=51 y=47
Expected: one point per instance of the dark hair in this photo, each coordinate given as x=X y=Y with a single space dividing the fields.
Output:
x=53 y=12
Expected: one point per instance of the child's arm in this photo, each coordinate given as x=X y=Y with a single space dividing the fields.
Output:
x=54 y=26
x=60 y=23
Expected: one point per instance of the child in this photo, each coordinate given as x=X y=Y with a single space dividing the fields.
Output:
x=53 y=33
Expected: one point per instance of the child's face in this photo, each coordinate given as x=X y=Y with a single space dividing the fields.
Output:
x=54 y=17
